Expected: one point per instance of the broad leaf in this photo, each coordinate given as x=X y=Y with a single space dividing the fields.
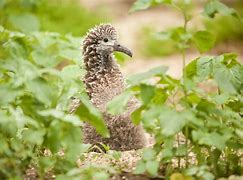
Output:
x=152 y=167
x=42 y=90
x=204 y=40
x=210 y=139
x=172 y=122
x=215 y=6
x=119 y=103
x=25 y=22
x=141 y=5
x=147 y=93
x=141 y=77
x=86 y=111
x=34 y=136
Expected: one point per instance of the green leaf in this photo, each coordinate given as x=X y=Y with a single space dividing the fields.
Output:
x=150 y=116
x=147 y=93
x=172 y=121
x=25 y=22
x=213 y=7
x=140 y=168
x=42 y=58
x=86 y=111
x=204 y=40
x=210 y=139
x=164 y=1
x=45 y=40
x=145 y=4
x=71 y=54
x=191 y=69
x=73 y=119
x=72 y=72
x=141 y=5
x=7 y=124
x=229 y=79
x=71 y=142
x=8 y=94
x=149 y=154
x=42 y=90
x=136 y=115
x=152 y=167
x=206 y=107
x=119 y=103
x=221 y=99
x=34 y=136
x=53 y=137
x=138 y=78
x=46 y=163
x=2 y=3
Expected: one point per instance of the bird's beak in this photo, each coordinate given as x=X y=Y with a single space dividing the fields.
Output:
x=120 y=48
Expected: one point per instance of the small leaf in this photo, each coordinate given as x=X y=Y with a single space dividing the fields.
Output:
x=72 y=72
x=46 y=163
x=136 y=115
x=149 y=154
x=177 y=121
x=25 y=22
x=34 y=136
x=41 y=90
x=152 y=167
x=73 y=55
x=210 y=139
x=150 y=116
x=147 y=93
x=45 y=59
x=86 y=111
x=140 y=5
x=138 y=78
x=8 y=94
x=229 y=79
x=215 y=6
x=73 y=119
x=204 y=41
x=180 y=176
x=118 y=103
x=140 y=168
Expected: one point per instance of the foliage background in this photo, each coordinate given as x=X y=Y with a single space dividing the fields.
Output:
x=196 y=120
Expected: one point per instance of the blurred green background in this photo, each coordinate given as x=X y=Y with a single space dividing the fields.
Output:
x=77 y=16
x=63 y=16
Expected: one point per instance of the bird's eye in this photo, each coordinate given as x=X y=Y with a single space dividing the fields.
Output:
x=105 y=40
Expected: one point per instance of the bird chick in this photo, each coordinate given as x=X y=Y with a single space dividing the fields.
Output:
x=104 y=81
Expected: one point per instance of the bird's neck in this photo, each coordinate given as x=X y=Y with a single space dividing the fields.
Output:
x=98 y=63
x=103 y=79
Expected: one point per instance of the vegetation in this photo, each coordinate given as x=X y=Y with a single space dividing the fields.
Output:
x=63 y=16
x=198 y=132
x=225 y=28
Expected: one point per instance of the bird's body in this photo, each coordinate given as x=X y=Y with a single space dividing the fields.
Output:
x=104 y=81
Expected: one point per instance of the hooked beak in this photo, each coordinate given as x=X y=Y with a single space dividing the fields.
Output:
x=120 y=48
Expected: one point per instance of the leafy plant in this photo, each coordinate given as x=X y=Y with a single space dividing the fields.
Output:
x=197 y=132
x=224 y=25
x=65 y=16
x=35 y=96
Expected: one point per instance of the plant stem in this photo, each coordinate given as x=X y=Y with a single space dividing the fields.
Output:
x=184 y=76
x=178 y=143
x=184 y=49
x=183 y=62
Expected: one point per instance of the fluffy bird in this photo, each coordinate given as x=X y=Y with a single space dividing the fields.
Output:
x=104 y=81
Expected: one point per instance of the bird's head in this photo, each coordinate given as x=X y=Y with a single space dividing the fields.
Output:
x=103 y=39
